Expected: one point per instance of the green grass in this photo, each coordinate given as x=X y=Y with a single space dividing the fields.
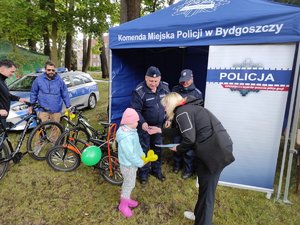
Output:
x=32 y=193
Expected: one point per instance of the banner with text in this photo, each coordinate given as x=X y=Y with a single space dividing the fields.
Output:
x=247 y=88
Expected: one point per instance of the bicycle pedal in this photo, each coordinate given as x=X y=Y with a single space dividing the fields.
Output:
x=17 y=157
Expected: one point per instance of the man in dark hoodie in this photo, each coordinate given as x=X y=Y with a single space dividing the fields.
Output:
x=185 y=88
x=7 y=69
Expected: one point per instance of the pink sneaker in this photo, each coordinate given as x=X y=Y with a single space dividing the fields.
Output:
x=132 y=203
x=124 y=209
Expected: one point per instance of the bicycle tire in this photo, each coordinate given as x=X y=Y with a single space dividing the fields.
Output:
x=43 y=138
x=63 y=159
x=78 y=135
x=116 y=178
x=4 y=154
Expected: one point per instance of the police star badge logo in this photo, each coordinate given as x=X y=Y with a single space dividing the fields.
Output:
x=192 y=7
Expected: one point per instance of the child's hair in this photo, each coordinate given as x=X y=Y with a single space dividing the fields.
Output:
x=170 y=101
x=130 y=116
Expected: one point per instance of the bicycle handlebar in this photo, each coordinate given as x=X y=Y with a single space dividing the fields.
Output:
x=74 y=109
x=36 y=106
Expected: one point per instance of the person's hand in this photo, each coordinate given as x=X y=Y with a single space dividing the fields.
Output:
x=154 y=130
x=3 y=112
x=145 y=126
x=167 y=124
x=23 y=100
x=174 y=149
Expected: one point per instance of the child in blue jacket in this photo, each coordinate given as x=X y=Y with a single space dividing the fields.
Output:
x=130 y=155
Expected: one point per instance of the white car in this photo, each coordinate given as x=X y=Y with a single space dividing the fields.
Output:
x=82 y=90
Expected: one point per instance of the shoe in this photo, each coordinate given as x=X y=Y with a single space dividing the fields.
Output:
x=189 y=215
x=186 y=175
x=160 y=176
x=143 y=181
x=176 y=170
x=132 y=203
x=124 y=209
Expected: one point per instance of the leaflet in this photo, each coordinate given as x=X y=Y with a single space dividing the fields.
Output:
x=167 y=145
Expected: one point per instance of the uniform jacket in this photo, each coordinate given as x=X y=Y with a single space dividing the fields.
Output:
x=193 y=122
x=130 y=151
x=147 y=103
x=5 y=96
x=50 y=93
x=190 y=90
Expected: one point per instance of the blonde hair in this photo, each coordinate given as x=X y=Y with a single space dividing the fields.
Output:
x=170 y=102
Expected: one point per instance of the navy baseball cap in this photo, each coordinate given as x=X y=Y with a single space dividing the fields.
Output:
x=185 y=75
x=153 y=71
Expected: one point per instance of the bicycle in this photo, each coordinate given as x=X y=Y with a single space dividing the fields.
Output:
x=8 y=153
x=65 y=156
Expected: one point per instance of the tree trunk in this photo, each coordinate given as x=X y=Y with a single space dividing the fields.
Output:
x=68 y=50
x=104 y=66
x=45 y=35
x=130 y=9
x=88 y=56
x=171 y=2
x=69 y=36
x=54 y=30
x=84 y=55
x=47 y=50
x=32 y=45
x=54 y=51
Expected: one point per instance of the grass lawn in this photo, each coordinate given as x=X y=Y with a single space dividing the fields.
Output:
x=33 y=194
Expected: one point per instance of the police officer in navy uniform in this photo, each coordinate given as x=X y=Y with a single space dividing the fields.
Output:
x=184 y=88
x=146 y=101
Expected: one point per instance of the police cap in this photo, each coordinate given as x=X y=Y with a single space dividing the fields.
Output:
x=153 y=71
x=185 y=75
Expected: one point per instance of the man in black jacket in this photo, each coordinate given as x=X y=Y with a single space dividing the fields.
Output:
x=7 y=69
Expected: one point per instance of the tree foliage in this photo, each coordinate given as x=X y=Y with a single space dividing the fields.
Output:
x=50 y=26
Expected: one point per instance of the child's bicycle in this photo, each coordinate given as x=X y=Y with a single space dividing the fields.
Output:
x=65 y=156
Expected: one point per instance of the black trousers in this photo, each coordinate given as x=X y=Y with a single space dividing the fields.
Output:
x=187 y=158
x=148 y=142
x=204 y=209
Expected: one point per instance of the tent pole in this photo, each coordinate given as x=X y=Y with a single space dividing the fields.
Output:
x=288 y=128
x=293 y=138
x=110 y=86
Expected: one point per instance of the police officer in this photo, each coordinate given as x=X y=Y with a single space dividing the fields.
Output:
x=146 y=101
x=184 y=88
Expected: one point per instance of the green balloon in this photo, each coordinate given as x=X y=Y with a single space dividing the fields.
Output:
x=91 y=155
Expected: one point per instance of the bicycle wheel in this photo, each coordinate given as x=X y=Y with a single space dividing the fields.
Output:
x=4 y=154
x=77 y=135
x=42 y=138
x=62 y=159
x=115 y=177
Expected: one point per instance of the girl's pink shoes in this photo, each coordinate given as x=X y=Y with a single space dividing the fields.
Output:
x=124 y=207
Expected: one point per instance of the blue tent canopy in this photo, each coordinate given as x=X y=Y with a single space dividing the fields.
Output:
x=210 y=22
x=179 y=36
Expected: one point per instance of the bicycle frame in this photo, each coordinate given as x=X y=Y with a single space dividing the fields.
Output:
x=4 y=137
x=112 y=130
x=81 y=121
x=110 y=137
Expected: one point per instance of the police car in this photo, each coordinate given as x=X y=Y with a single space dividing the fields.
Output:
x=81 y=87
